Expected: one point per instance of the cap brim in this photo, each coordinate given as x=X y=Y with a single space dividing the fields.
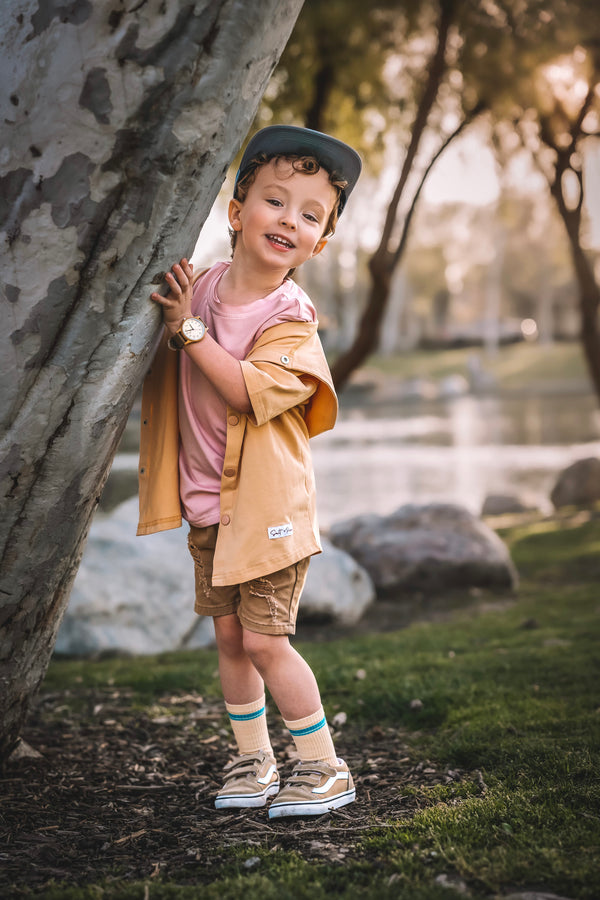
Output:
x=281 y=140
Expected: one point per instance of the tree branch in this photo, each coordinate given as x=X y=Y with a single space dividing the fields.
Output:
x=436 y=71
x=469 y=117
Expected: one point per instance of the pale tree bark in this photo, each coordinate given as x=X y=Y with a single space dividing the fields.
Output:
x=120 y=120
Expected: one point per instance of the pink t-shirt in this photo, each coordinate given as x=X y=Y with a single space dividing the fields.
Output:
x=202 y=411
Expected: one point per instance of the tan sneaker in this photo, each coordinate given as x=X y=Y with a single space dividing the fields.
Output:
x=250 y=779
x=314 y=788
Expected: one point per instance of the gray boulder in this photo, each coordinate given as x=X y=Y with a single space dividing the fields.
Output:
x=453 y=386
x=337 y=589
x=578 y=484
x=429 y=549
x=503 y=504
x=132 y=594
x=136 y=594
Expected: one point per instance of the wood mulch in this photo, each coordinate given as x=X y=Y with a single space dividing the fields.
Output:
x=122 y=795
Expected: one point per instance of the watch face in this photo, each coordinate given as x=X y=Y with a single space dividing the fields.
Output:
x=193 y=329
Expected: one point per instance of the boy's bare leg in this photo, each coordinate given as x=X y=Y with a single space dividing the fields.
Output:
x=243 y=689
x=251 y=777
x=294 y=689
x=248 y=661
x=240 y=681
x=288 y=676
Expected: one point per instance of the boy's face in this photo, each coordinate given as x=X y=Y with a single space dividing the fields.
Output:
x=281 y=222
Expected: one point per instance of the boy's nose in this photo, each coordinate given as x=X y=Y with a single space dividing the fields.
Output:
x=289 y=221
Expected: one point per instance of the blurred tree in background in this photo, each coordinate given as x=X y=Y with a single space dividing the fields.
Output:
x=332 y=74
x=418 y=73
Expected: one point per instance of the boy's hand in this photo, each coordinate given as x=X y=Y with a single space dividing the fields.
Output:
x=177 y=305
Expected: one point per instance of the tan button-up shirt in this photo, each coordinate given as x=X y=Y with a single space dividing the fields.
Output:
x=268 y=508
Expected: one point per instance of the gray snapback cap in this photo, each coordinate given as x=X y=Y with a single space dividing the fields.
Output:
x=280 y=140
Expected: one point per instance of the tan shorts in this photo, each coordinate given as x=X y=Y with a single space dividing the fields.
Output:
x=268 y=605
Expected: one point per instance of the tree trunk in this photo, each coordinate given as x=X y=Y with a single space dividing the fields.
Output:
x=589 y=302
x=367 y=334
x=385 y=260
x=323 y=84
x=589 y=289
x=118 y=130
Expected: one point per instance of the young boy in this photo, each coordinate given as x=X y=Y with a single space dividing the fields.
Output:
x=232 y=454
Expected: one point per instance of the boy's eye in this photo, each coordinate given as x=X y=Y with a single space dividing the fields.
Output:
x=274 y=202
x=311 y=217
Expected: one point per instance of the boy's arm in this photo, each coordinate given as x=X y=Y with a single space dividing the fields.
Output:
x=221 y=368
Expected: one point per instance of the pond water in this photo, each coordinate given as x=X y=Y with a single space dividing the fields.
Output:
x=380 y=456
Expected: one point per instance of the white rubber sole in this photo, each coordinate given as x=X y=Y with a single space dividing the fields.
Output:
x=247 y=801
x=311 y=807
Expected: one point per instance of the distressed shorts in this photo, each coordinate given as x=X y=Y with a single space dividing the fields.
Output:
x=267 y=605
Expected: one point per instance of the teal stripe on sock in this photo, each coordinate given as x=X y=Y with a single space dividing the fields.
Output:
x=246 y=717
x=310 y=730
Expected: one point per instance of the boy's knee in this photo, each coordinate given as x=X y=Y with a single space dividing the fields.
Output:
x=228 y=635
x=262 y=648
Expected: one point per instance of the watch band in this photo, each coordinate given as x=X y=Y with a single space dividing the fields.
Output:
x=177 y=341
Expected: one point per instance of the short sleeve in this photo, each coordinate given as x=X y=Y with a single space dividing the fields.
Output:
x=273 y=389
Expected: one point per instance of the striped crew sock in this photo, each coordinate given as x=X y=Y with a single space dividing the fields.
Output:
x=249 y=723
x=312 y=738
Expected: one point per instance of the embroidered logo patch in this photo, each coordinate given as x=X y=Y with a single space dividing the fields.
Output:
x=279 y=531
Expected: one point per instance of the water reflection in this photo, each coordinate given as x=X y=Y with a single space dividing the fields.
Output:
x=380 y=456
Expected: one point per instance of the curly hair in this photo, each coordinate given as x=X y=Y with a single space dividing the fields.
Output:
x=308 y=165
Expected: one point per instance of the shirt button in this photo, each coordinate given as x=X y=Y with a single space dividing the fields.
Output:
x=229 y=473
x=285 y=360
x=233 y=420
x=225 y=520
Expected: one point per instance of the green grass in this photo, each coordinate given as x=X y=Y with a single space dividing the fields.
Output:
x=519 y=366
x=147 y=677
x=510 y=696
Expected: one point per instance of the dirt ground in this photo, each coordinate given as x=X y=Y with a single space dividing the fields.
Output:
x=121 y=795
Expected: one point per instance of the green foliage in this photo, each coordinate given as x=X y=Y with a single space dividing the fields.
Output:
x=331 y=74
x=357 y=70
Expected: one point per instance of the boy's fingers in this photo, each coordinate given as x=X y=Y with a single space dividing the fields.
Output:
x=180 y=274
x=174 y=282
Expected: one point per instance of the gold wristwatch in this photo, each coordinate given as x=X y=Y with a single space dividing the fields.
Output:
x=190 y=331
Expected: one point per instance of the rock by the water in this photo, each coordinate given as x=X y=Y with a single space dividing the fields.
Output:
x=429 y=549
x=578 y=484
x=136 y=594
x=337 y=589
x=453 y=386
x=503 y=504
x=417 y=389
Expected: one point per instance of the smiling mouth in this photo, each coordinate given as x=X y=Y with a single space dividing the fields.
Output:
x=281 y=242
